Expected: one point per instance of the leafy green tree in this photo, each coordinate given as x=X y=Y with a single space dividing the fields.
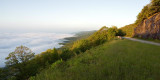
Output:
x=81 y=45
x=38 y=63
x=98 y=37
x=18 y=59
x=120 y=33
x=52 y=55
x=112 y=32
x=47 y=57
x=1 y=73
x=21 y=54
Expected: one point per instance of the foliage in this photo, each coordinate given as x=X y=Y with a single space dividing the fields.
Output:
x=110 y=61
x=100 y=62
x=112 y=32
x=99 y=37
x=77 y=36
x=120 y=33
x=148 y=10
x=42 y=61
x=21 y=54
x=26 y=67
x=52 y=57
x=17 y=61
x=56 y=64
x=96 y=39
x=47 y=57
x=66 y=54
x=128 y=30
x=80 y=46
x=1 y=73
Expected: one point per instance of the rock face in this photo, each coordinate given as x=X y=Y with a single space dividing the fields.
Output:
x=149 y=28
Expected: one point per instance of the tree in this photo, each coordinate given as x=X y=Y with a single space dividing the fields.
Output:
x=17 y=61
x=112 y=32
x=128 y=30
x=81 y=45
x=21 y=54
x=1 y=73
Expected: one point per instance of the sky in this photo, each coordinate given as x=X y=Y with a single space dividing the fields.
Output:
x=66 y=16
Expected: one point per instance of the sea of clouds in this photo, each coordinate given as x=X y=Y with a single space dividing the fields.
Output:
x=37 y=42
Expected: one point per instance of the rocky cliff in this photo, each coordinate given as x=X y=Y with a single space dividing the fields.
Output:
x=149 y=28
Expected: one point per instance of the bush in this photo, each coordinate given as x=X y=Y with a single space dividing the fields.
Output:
x=56 y=63
x=37 y=64
x=80 y=45
x=96 y=39
x=112 y=32
x=120 y=33
x=66 y=54
x=128 y=30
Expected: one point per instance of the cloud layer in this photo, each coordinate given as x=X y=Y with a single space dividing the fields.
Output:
x=37 y=42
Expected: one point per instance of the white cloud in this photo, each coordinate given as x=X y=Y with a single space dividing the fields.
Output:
x=37 y=42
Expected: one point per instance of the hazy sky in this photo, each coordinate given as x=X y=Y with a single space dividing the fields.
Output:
x=66 y=15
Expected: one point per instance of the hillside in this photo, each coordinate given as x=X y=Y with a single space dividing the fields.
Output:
x=114 y=60
x=147 y=24
x=128 y=30
x=77 y=36
x=149 y=28
x=24 y=70
x=94 y=55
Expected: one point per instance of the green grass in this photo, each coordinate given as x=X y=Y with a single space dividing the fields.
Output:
x=114 y=60
x=152 y=40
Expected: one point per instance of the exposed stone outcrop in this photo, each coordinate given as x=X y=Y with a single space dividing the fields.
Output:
x=149 y=28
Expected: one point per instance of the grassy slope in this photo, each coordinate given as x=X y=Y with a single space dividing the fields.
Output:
x=78 y=36
x=152 y=40
x=115 y=60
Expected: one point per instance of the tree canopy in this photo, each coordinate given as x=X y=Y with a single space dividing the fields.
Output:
x=21 y=54
x=148 y=10
x=17 y=61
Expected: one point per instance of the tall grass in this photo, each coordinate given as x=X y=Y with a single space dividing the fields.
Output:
x=115 y=60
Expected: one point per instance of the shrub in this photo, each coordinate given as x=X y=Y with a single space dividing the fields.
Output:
x=56 y=63
x=66 y=54
x=128 y=30
x=111 y=33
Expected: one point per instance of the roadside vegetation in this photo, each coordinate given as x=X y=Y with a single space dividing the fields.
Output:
x=114 y=60
x=128 y=30
x=152 y=40
x=149 y=10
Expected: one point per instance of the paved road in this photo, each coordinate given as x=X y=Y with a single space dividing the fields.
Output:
x=142 y=41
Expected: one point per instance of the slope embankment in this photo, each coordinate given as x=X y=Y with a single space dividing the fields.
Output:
x=114 y=60
x=149 y=28
x=142 y=41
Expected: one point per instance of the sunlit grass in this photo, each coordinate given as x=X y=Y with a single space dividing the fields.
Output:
x=115 y=60
x=152 y=40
